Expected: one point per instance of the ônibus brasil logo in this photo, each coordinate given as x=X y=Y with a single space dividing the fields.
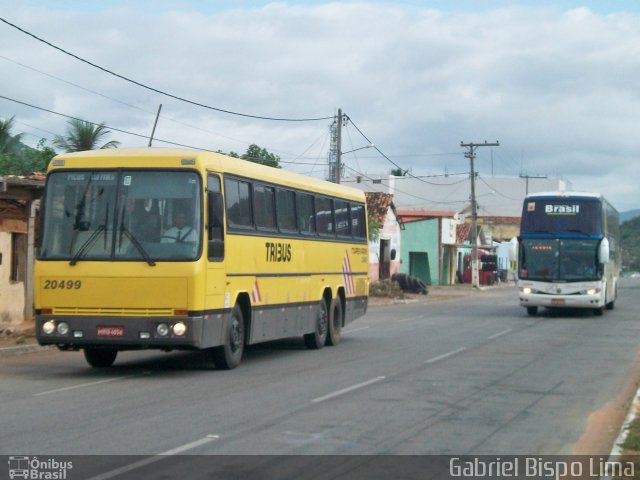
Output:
x=38 y=469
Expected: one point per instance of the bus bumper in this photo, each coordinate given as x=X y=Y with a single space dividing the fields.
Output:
x=130 y=333
x=576 y=300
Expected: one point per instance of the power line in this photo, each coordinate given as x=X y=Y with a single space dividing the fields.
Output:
x=161 y=92
x=146 y=137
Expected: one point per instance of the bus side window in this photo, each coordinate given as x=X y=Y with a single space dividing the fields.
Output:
x=215 y=213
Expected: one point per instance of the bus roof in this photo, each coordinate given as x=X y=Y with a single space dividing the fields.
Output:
x=153 y=157
x=562 y=194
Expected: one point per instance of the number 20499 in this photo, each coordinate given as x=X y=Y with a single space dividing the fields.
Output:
x=62 y=284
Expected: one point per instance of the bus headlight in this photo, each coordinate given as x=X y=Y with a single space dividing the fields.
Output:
x=162 y=329
x=62 y=328
x=179 y=329
x=526 y=290
x=592 y=291
x=48 y=327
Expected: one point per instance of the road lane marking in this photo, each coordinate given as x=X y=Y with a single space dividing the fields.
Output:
x=499 y=334
x=82 y=385
x=355 y=329
x=347 y=390
x=156 y=458
x=445 y=355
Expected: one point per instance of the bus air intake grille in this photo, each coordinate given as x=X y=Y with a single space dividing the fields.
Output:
x=114 y=312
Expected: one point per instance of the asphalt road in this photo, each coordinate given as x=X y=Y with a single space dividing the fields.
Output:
x=469 y=376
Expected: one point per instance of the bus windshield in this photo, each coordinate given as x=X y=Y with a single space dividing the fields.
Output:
x=563 y=260
x=121 y=215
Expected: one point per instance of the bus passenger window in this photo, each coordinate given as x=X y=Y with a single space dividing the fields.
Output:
x=264 y=206
x=286 y=210
x=238 y=198
x=324 y=216
x=306 y=215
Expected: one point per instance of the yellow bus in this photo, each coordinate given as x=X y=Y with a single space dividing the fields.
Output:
x=175 y=249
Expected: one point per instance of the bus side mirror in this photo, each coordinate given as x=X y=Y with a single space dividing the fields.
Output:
x=603 y=251
x=393 y=254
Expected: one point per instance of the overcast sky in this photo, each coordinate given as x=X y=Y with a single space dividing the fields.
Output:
x=556 y=83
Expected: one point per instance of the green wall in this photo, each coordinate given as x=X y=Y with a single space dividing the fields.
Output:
x=421 y=237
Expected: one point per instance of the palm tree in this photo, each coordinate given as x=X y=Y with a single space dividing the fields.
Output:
x=8 y=142
x=83 y=135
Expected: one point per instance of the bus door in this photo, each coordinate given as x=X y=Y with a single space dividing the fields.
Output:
x=215 y=240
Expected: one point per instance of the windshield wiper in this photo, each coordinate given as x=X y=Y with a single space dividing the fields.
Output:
x=87 y=244
x=138 y=245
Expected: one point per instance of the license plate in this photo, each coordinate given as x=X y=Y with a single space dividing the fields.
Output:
x=557 y=301
x=110 y=331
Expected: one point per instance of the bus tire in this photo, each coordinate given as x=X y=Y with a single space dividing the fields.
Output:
x=100 y=357
x=598 y=311
x=335 y=322
x=228 y=355
x=318 y=337
x=532 y=311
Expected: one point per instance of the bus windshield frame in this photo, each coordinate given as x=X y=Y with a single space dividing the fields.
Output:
x=560 y=259
x=122 y=215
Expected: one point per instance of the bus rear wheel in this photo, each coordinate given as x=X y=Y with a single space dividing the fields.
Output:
x=228 y=355
x=318 y=337
x=100 y=357
x=335 y=322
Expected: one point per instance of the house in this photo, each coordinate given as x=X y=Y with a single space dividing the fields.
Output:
x=19 y=198
x=429 y=245
x=384 y=250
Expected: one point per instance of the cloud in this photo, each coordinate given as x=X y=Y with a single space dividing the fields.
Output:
x=557 y=87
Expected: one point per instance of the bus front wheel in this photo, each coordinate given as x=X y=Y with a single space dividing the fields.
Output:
x=533 y=311
x=100 y=357
x=318 y=337
x=228 y=355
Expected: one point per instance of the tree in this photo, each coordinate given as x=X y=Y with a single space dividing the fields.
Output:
x=8 y=143
x=398 y=172
x=261 y=155
x=83 y=135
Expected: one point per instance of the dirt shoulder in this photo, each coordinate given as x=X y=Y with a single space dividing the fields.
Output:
x=436 y=294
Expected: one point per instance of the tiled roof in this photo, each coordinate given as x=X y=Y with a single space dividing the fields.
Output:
x=462 y=232
x=378 y=204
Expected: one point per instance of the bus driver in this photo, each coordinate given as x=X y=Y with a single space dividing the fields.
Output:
x=180 y=232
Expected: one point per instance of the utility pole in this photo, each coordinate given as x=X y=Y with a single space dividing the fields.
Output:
x=527 y=177
x=339 y=146
x=471 y=155
x=335 y=149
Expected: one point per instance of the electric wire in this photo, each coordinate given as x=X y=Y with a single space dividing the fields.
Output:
x=161 y=92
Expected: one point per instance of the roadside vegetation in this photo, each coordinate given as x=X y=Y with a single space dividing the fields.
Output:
x=629 y=234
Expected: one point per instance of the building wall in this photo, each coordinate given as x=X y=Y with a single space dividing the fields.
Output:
x=421 y=238
x=390 y=232
x=11 y=292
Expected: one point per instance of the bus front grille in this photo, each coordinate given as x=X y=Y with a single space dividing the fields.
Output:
x=114 y=312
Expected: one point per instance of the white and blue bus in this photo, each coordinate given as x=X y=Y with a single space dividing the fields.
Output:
x=569 y=252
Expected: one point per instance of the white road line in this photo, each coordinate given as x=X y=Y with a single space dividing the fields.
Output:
x=156 y=458
x=409 y=319
x=499 y=334
x=445 y=355
x=347 y=390
x=355 y=329
x=82 y=385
